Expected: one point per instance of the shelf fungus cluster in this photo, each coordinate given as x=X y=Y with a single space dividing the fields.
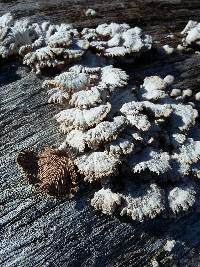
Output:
x=43 y=45
x=118 y=40
x=40 y=45
x=139 y=145
x=141 y=150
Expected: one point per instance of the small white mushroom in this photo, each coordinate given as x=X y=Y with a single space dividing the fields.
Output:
x=175 y=92
x=169 y=79
x=180 y=47
x=168 y=49
x=187 y=93
x=90 y=12
x=197 y=96
x=170 y=244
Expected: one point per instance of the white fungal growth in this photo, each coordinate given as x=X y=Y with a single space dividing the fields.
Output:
x=140 y=121
x=86 y=99
x=44 y=57
x=104 y=132
x=23 y=37
x=16 y=36
x=57 y=96
x=150 y=131
x=167 y=49
x=191 y=33
x=183 y=116
x=101 y=139
x=148 y=205
x=175 y=92
x=153 y=88
x=159 y=110
x=132 y=108
x=111 y=29
x=106 y=201
x=170 y=244
x=121 y=146
x=89 y=34
x=177 y=139
x=113 y=77
x=117 y=51
x=135 y=40
x=197 y=96
x=96 y=165
x=90 y=12
x=75 y=118
x=55 y=55
x=169 y=79
x=151 y=160
x=87 y=86
x=181 y=198
x=133 y=111
x=121 y=40
x=189 y=154
x=69 y=81
x=60 y=39
x=74 y=141
x=154 y=263
x=6 y=20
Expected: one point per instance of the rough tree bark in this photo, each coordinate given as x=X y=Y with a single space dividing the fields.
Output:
x=39 y=230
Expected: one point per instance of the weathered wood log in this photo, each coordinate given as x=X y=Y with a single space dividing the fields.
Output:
x=40 y=230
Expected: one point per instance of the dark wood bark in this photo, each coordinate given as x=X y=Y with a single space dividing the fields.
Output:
x=39 y=230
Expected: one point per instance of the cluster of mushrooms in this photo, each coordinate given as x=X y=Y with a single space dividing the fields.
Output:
x=140 y=148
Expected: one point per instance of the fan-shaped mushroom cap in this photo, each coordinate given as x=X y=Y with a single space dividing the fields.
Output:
x=153 y=88
x=60 y=39
x=148 y=159
x=74 y=141
x=113 y=77
x=106 y=201
x=86 y=99
x=119 y=40
x=105 y=131
x=90 y=12
x=71 y=81
x=75 y=118
x=189 y=153
x=57 y=96
x=96 y=165
x=79 y=79
x=18 y=35
x=181 y=198
x=119 y=51
x=147 y=204
x=159 y=110
x=183 y=116
x=136 y=40
x=43 y=57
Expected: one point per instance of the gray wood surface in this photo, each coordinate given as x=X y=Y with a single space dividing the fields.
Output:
x=39 y=230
